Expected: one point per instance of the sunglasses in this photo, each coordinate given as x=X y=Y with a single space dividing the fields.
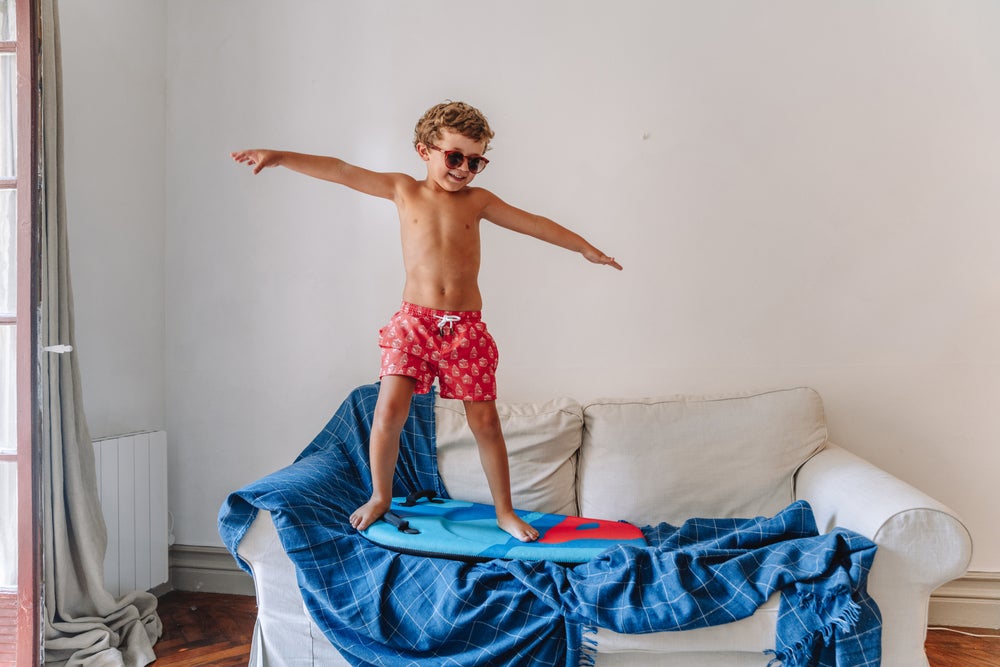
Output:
x=454 y=159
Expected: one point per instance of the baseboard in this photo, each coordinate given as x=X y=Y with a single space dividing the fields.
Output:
x=971 y=601
x=208 y=570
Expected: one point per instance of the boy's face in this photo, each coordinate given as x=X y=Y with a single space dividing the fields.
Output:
x=448 y=178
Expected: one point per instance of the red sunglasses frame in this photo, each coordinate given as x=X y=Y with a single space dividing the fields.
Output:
x=463 y=159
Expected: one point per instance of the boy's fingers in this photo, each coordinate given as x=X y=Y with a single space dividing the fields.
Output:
x=244 y=156
x=609 y=261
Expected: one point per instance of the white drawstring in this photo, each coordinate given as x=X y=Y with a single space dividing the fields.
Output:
x=447 y=322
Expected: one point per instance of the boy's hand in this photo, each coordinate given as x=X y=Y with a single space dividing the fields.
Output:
x=597 y=257
x=258 y=158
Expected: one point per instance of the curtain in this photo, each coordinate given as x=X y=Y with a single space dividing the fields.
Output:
x=84 y=623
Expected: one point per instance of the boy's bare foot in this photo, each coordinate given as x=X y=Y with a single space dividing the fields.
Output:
x=512 y=523
x=368 y=513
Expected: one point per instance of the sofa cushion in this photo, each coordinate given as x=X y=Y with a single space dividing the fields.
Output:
x=671 y=459
x=542 y=444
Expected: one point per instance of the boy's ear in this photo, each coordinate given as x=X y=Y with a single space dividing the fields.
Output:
x=423 y=151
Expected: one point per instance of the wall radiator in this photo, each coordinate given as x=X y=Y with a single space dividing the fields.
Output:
x=132 y=482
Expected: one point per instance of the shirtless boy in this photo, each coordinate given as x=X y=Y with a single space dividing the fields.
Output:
x=438 y=331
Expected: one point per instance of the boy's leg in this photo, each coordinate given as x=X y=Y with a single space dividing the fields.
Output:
x=485 y=425
x=392 y=408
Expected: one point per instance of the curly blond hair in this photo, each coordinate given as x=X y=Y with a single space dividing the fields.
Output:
x=458 y=117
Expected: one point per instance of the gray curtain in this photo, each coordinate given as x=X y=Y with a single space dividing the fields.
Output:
x=84 y=623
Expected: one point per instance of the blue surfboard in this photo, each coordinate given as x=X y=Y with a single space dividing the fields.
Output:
x=424 y=525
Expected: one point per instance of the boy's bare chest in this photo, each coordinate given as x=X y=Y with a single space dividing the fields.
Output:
x=446 y=216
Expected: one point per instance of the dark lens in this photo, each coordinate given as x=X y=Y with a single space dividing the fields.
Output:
x=453 y=159
x=476 y=164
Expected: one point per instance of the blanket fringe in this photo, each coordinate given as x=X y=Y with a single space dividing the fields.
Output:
x=588 y=647
x=798 y=654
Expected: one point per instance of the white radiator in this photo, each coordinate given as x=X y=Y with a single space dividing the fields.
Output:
x=132 y=482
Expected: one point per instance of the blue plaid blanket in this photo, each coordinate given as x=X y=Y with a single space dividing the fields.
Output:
x=379 y=607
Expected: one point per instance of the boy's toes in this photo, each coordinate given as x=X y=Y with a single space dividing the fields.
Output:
x=366 y=515
x=525 y=536
x=518 y=528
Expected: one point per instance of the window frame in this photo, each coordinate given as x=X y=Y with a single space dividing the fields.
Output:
x=28 y=639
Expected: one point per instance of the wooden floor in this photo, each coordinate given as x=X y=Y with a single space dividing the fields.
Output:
x=208 y=629
x=950 y=649
x=205 y=629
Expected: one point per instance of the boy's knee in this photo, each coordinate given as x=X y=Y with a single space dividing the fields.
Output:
x=389 y=420
x=393 y=405
x=483 y=420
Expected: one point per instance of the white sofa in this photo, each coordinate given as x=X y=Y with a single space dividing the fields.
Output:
x=669 y=459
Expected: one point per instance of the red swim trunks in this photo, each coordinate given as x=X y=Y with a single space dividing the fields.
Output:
x=454 y=346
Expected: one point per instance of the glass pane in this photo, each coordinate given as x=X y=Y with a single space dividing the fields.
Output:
x=8 y=524
x=8 y=389
x=8 y=115
x=8 y=21
x=8 y=252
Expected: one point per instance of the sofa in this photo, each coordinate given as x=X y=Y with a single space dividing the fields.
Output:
x=653 y=460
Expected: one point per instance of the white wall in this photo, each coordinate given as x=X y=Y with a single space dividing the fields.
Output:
x=800 y=192
x=115 y=110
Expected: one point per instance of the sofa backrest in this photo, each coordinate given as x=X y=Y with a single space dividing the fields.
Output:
x=542 y=443
x=671 y=459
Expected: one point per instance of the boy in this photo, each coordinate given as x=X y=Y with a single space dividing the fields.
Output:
x=438 y=331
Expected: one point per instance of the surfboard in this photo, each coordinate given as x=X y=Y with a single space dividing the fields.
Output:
x=425 y=525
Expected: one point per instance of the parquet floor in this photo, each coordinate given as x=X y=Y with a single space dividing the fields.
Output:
x=202 y=629
x=949 y=649
x=205 y=629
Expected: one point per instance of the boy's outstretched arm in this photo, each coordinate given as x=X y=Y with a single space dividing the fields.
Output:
x=510 y=217
x=332 y=169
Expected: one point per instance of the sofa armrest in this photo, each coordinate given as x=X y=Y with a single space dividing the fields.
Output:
x=285 y=635
x=922 y=544
x=848 y=491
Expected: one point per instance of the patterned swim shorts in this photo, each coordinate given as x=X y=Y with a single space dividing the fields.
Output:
x=453 y=346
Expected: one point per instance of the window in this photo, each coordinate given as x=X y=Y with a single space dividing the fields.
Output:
x=19 y=537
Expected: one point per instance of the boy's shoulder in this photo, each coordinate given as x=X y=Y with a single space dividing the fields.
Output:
x=478 y=199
